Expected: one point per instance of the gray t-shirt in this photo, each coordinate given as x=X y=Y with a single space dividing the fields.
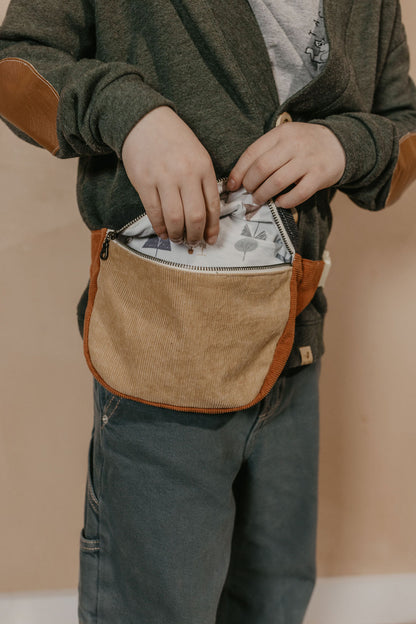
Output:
x=295 y=37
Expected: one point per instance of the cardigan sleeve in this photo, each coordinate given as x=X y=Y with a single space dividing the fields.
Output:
x=380 y=145
x=53 y=92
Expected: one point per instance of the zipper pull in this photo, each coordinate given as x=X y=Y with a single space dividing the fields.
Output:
x=111 y=234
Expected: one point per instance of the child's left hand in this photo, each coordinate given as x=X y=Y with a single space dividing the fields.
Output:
x=309 y=155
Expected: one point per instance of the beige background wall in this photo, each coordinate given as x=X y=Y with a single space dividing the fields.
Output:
x=367 y=514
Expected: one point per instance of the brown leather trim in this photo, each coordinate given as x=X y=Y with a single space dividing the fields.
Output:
x=29 y=101
x=405 y=171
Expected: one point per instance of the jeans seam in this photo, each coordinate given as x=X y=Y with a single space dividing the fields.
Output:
x=92 y=497
x=251 y=434
x=272 y=402
x=105 y=416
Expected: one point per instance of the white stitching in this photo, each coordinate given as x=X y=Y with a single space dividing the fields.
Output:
x=108 y=404
x=114 y=409
x=93 y=548
x=107 y=407
x=92 y=498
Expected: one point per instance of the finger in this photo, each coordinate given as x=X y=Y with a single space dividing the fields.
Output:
x=264 y=167
x=250 y=155
x=305 y=188
x=212 y=206
x=172 y=211
x=152 y=205
x=193 y=202
x=283 y=177
x=279 y=137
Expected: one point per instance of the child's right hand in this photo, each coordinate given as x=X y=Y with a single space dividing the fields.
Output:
x=174 y=176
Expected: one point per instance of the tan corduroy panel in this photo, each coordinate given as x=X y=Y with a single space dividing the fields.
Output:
x=185 y=338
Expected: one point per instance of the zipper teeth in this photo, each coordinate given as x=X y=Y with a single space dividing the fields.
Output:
x=112 y=234
x=189 y=267
x=280 y=226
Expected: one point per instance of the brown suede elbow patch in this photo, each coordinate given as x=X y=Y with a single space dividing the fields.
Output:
x=29 y=101
x=405 y=171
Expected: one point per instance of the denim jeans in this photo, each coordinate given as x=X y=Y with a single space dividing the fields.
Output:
x=197 y=518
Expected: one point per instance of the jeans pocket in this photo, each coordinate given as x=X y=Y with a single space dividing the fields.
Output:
x=88 y=579
x=89 y=545
x=91 y=501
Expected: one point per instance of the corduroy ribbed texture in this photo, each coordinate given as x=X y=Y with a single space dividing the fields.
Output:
x=210 y=341
x=186 y=338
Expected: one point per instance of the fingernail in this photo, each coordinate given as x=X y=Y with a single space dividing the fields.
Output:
x=231 y=184
x=212 y=239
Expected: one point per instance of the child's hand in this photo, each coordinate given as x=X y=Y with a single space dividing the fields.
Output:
x=309 y=155
x=174 y=176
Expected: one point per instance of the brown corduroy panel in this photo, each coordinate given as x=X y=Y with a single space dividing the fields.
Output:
x=29 y=101
x=97 y=239
x=305 y=279
x=284 y=346
x=405 y=171
x=310 y=272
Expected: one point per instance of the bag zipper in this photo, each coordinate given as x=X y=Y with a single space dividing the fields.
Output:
x=280 y=226
x=112 y=234
x=205 y=269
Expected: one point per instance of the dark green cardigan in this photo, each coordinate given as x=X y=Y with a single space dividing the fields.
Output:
x=112 y=62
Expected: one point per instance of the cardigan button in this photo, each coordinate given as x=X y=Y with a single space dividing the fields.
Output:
x=283 y=118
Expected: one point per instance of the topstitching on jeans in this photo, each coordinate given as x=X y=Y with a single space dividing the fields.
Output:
x=91 y=494
x=109 y=408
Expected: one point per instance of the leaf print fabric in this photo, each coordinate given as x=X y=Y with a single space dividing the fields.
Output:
x=154 y=242
x=245 y=245
x=249 y=236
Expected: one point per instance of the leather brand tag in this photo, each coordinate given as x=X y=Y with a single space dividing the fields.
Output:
x=306 y=355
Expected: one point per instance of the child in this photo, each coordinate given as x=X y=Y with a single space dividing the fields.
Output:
x=193 y=517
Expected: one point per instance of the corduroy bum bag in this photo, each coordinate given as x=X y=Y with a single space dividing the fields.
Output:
x=207 y=329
